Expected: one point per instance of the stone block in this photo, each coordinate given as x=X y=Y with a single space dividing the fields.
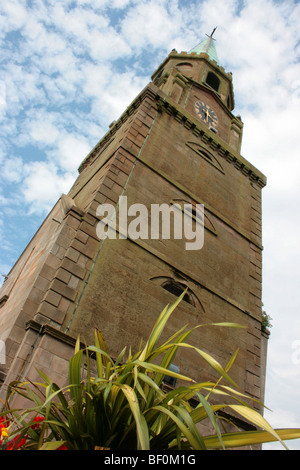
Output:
x=52 y=298
x=72 y=254
x=88 y=249
x=52 y=261
x=63 y=275
x=30 y=307
x=52 y=312
x=62 y=289
x=73 y=282
x=36 y=295
x=60 y=365
x=73 y=268
x=47 y=272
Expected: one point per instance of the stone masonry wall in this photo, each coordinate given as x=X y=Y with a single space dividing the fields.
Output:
x=114 y=285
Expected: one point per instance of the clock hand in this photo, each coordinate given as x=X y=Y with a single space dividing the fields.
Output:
x=210 y=117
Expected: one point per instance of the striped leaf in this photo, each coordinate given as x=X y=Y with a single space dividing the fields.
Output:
x=249 y=438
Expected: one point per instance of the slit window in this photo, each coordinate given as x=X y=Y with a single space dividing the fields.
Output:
x=3 y=300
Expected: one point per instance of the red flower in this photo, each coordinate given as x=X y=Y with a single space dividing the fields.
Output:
x=4 y=423
x=11 y=445
x=37 y=422
x=63 y=447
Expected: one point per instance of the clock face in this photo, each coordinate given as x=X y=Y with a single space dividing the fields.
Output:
x=206 y=113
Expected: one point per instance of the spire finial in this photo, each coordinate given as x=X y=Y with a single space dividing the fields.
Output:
x=211 y=35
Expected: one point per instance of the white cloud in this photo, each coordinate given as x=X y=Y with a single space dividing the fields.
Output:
x=43 y=185
x=151 y=24
x=42 y=131
x=70 y=152
x=15 y=13
x=2 y=99
x=108 y=44
x=12 y=170
x=22 y=87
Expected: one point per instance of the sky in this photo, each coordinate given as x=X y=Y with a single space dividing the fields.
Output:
x=71 y=67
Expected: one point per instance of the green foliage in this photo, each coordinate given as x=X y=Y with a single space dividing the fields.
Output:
x=122 y=404
x=266 y=321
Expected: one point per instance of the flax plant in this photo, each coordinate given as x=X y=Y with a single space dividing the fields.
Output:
x=122 y=404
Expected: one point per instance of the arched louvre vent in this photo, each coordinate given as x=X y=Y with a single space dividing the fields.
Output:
x=199 y=215
x=206 y=155
x=185 y=68
x=177 y=289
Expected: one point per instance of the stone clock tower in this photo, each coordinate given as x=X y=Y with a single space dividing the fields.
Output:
x=178 y=141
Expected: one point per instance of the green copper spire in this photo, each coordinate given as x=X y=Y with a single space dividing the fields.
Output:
x=207 y=46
